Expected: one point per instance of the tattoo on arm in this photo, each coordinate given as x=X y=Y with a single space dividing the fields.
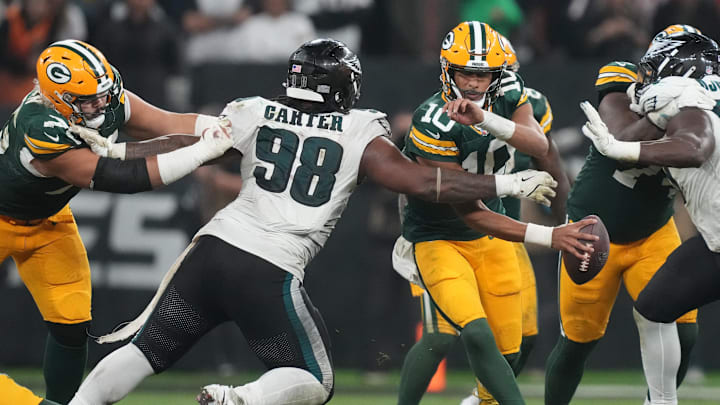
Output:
x=157 y=146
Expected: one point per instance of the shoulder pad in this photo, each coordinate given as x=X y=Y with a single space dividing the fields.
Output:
x=512 y=90
x=48 y=136
x=616 y=77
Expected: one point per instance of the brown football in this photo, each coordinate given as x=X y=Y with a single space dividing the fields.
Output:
x=582 y=271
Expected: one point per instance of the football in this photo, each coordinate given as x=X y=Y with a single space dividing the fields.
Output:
x=582 y=271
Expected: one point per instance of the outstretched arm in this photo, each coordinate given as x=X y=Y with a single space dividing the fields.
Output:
x=689 y=142
x=386 y=165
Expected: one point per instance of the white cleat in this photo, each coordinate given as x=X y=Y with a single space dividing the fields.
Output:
x=216 y=394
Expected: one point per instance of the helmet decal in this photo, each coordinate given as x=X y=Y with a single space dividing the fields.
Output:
x=58 y=73
x=448 y=41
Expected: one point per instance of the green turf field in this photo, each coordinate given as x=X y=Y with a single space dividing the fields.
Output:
x=354 y=388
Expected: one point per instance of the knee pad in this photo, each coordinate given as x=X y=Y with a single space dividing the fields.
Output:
x=71 y=335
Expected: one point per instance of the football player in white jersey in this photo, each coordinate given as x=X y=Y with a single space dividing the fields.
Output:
x=680 y=133
x=302 y=156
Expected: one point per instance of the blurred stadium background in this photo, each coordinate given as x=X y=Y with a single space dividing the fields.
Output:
x=196 y=55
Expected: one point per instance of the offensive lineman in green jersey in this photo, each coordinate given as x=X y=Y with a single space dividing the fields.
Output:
x=472 y=278
x=636 y=205
x=44 y=163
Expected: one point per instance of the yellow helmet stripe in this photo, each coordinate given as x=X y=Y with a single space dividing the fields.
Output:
x=43 y=148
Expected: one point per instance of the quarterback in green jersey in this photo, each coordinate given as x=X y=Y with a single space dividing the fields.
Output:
x=473 y=279
x=635 y=203
x=55 y=143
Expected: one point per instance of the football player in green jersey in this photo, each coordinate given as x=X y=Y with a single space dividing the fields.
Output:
x=472 y=279
x=44 y=163
x=636 y=204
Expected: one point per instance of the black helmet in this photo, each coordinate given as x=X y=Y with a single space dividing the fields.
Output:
x=687 y=54
x=325 y=71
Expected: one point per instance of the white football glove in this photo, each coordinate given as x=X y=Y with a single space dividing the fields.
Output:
x=663 y=100
x=215 y=140
x=532 y=185
x=105 y=147
x=604 y=141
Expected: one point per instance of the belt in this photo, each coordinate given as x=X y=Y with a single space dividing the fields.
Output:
x=22 y=222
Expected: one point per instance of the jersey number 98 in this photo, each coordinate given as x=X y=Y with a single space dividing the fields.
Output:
x=313 y=180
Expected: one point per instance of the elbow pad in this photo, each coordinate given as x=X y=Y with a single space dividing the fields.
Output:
x=121 y=176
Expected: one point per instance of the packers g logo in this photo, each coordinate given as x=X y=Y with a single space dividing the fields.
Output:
x=58 y=73
x=448 y=41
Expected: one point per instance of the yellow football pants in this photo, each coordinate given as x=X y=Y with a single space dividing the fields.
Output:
x=469 y=280
x=11 y=393
x=585 y=309
x=433 y=322
x=53 y=264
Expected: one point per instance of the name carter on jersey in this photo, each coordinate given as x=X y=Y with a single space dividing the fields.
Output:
x=298 y=118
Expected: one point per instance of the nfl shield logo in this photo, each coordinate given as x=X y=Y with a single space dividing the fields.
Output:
x=296 y=68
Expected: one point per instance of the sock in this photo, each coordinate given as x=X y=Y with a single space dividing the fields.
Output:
x=284 y=386
x=114 y=377
x=688 y=333
x=526 y=347
x=489 y=366
x=63 y=368
x=564 y=370
x=420 y=364
x=513 y=359
x=660 y=351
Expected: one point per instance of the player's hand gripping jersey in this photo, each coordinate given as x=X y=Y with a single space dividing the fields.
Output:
x=633 y=201
x=38 y=131
x=434 y=136
x=298 y=173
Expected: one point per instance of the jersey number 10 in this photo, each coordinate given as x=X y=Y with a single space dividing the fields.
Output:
x=313 y=180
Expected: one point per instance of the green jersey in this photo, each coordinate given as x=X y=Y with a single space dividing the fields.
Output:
x=633 y=201
x=37 y=131
x=543 y=115
x=434 y=136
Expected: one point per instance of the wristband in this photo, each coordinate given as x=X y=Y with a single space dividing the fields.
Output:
x=539 y=235
x=504 y=185
x=499 y=127
x=627 y=151
x=204 y=122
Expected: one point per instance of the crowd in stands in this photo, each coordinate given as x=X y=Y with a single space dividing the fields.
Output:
x=151 y=39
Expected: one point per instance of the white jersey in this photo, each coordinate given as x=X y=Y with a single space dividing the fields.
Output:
x=298 y=171
x=700 y=187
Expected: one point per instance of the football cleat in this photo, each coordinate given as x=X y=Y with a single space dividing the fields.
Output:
x=216 y=394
